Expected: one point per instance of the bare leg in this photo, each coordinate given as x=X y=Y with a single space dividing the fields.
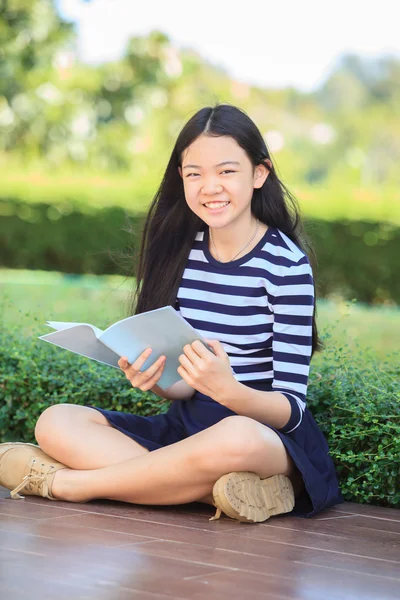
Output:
x=182 y=472
x=82 y=438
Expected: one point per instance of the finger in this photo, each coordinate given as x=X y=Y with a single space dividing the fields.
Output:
x=216 y=346
x=149 y=384
x=199 y=348
x=139 y=362
x=185 y=376
x=144 y=375
x=191 y=354
x=155 y=366
x=187 y=364
x=123 y=362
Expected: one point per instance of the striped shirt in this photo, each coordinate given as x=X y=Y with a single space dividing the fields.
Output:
x=260 y=308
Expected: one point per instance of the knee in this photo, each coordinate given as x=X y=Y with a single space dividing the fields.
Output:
x=242 y=436
x=237 y=438
x=51 y=422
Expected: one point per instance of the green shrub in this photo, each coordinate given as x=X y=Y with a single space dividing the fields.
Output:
x=355 y=401
x=351 y=254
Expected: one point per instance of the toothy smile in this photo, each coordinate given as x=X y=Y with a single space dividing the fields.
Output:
x=216 y=204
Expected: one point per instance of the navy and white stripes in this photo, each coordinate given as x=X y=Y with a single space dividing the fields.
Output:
x=260 y=308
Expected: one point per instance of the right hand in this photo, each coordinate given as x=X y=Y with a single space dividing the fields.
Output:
x=144 y=380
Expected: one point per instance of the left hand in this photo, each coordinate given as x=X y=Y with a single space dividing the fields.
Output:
x=207 y=373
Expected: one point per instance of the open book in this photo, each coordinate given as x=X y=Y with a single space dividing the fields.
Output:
x=163 y=329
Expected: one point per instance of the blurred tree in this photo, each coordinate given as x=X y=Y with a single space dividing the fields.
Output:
x=125 y=115
x=31 y=32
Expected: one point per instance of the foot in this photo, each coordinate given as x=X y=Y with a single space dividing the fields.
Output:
x=246 y=497
x=25 y=467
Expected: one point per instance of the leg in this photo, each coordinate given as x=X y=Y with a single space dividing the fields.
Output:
x=185 y=471
x=82 y=438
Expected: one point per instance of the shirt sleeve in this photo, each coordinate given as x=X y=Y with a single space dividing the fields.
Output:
x=293 y=307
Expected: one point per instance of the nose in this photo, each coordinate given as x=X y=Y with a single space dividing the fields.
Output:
x=211 y=188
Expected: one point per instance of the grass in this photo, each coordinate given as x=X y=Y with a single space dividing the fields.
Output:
x=30 y=298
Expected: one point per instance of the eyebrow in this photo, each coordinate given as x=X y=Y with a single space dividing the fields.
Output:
x=226 y=162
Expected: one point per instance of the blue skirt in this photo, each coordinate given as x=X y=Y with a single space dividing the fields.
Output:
x=306 y=445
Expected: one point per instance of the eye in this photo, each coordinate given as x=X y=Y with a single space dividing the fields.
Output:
x=226 y=171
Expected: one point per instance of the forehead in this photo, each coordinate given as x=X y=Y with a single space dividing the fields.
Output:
x=208 y=151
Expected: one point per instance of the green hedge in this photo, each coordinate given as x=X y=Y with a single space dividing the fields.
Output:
x=356 y=259
x=40 y=237
x=355 y=402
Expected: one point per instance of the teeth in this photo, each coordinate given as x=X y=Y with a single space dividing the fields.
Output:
x=216 y=204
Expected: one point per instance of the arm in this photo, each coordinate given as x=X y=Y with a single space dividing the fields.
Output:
x=292 y=344
x=293 y=306
x=272 y=408
x=178 y=391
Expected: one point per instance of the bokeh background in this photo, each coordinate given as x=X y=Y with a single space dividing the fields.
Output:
x=93 y=95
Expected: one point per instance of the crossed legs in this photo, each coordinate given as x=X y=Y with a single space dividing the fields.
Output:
x=105 y=463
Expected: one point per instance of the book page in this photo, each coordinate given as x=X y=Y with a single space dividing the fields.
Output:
x=59 y=325
x=81 y=339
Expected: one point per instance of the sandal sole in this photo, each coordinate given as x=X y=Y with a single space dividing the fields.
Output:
x=244 y=496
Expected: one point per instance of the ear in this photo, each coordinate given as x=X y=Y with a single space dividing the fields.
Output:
x=180 y=171
x=261 y=173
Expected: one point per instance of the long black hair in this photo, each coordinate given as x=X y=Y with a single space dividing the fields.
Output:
x=171 y=226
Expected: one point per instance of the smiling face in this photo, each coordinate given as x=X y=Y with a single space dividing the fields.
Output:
x=219 y=193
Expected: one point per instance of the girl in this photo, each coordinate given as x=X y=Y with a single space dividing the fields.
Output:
x=222 y=245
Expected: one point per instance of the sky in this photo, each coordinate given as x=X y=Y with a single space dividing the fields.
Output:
x=269 y=43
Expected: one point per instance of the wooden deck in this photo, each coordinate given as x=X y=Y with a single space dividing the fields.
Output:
x=114 y=551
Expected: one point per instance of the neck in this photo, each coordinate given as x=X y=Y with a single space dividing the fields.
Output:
x=229 y=240
x=234 y=234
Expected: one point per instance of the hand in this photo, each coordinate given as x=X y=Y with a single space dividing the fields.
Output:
x=211 y=374
x=144 y=380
